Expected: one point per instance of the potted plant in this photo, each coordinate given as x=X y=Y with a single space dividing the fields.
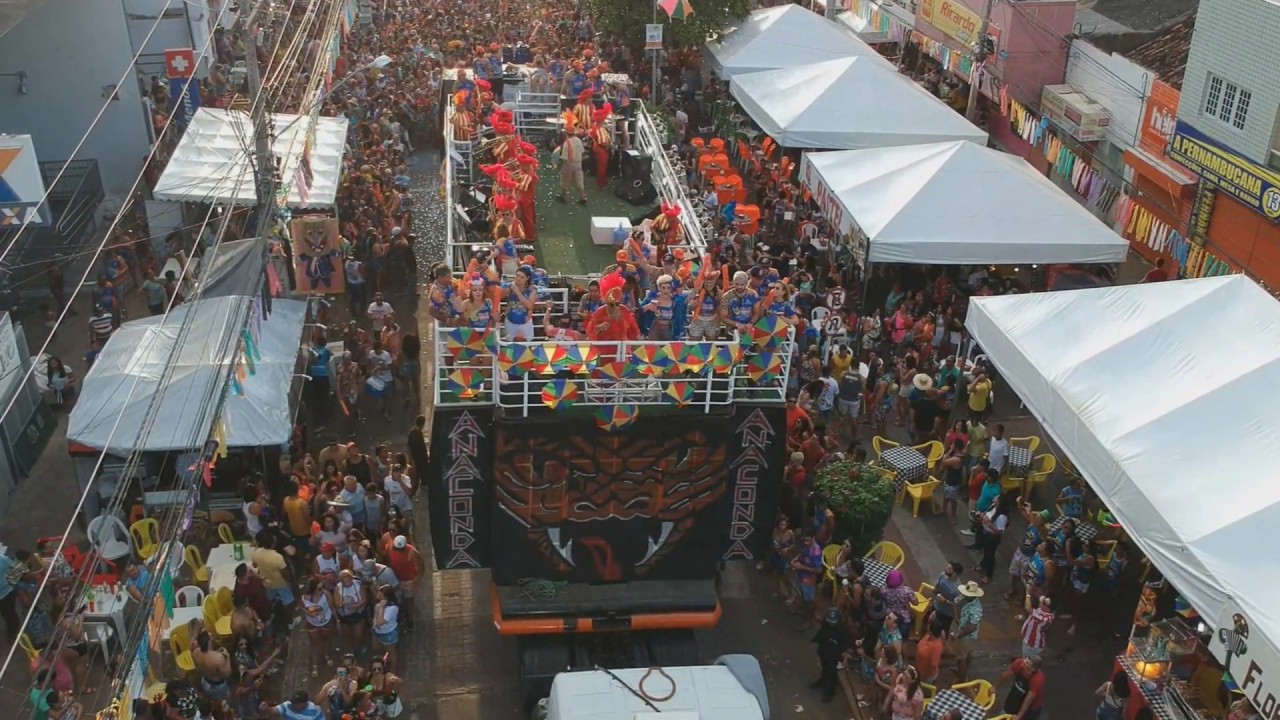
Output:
x=861 y=499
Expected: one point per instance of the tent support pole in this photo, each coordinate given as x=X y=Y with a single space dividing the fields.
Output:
x=862 y=308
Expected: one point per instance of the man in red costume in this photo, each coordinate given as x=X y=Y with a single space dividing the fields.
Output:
x=507 y=224
x=667 y=228
x=583 y=111
x=602 y=144
x=526 y=192
x=612 y=321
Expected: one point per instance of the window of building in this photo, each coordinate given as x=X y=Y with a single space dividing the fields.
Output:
x=1227 y=102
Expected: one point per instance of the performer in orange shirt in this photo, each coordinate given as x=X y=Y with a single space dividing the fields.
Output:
x=602 y=145
x=507 y=224
x=666 y=226
x=463 y=121
x=526 y=192
x=612 y=321
x=583 y=111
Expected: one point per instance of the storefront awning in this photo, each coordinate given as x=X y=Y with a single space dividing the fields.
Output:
x=213 y=162
x=862 y=28
x=1156 y=393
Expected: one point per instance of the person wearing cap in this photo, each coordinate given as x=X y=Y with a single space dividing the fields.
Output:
x=613 y=321
x=601 y=143
x=968 y=624
x=407 y=563
x=926 y=415
x=738 y=306
x=1025 y=700
x=526 y=191
x=833 y=641
x=328 y=563
x=299 y=707
x=569 y=157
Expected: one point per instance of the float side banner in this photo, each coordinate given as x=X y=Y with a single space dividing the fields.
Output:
x=459 y=486
x=1249 y=657
x=757 y=457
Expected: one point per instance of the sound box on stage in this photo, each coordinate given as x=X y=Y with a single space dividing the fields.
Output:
x=636 y=191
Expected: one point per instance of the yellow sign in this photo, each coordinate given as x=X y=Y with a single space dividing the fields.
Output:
x=951 y=17
x=1227 y=170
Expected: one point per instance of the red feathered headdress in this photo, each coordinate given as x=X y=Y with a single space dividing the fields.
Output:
x=505 y=181
x=484 y=84
x=584 y=97
x=526 y=160
x=528 y=148
x=504 y=203
x=491 y=170
x=504 y=128
x=672 y=211
x=504 y=115
x=611 y=284
x=599 y=116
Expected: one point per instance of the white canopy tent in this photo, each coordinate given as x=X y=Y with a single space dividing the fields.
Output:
x=213 y=162
x=1155 y=392
x=781 y=37
x=845 y=104
x=141 y=350
x=955 y=203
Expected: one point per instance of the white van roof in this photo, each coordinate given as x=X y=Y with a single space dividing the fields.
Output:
x=709 y=692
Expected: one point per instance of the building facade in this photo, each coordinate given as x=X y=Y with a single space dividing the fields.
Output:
x=1228 y=132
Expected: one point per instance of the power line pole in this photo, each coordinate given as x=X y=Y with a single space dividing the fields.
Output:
x=264 y=162
x=978 y=56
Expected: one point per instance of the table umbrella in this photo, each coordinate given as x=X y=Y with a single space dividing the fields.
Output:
x=651 y=360
x=517 y=357
x=550 y=358
x=693 y=357
x=559 y=393
x=676 y=9
x=680 y=392
x=617 y=417
x=581 y=358
x=764 y=366
x=466 y=381
x=725 y=357
x=612 y=370
x=767 y=332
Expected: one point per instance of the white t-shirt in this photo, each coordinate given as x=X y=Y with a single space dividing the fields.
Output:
x=830 y=388
x=997 y=453
x=378 y=313
x=397 y=495
x=390 y=619
x=380 y=365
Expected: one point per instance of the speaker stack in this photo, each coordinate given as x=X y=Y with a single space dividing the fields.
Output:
x=636 y=184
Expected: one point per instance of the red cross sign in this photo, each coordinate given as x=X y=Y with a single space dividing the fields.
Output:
x=179 y=63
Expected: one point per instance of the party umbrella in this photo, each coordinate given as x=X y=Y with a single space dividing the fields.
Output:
x=764 y=365
x=725 y=357
x=466 y=382
x=676 y=9
x=559 y=393
x=680 y=392
x=693 y=357
x=617 y=417
x=768 y=331
x=464 y=343
x=550 y=358
x=612 y=370
x=581 y=358
x=518 y=357
x=651 y=360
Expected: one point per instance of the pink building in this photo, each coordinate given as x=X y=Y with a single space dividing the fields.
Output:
x=1030 y=41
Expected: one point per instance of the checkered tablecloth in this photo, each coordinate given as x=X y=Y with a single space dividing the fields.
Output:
x=1084 y=530
x=948 y=699
x=1019 y=461
x=1153 y=694
x=875 y=572
x=907 y=462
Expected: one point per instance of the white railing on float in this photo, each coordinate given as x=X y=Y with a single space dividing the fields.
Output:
x=521 y=393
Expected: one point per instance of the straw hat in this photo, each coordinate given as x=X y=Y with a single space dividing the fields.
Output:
x=923 y=382
x=971 y=589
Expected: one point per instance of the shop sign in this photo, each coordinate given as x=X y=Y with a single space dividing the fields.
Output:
x=1159 y=118
x=21 y=185
x=1249 y=658
x=827 y=201
x=954 y=19
x=653 y=36
x=1227 y=170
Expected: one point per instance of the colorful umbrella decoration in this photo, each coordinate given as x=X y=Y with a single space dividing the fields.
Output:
x=466 y=382
x=768 y=331
x=550 y=358
x=676 y=9
x=725 y=357
x=581 y=358
x=651 y=360
x=465 y=344
x=616 y=417
x=559 y=393
x=517 y=357
x=612 y=370
x=764 y=366
x=693 y=357
x=680 y=392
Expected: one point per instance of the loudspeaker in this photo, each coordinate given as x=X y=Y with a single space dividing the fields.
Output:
x=637 y=165
x=635 y=190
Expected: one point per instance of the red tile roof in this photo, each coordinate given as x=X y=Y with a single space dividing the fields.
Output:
x=1166 y=55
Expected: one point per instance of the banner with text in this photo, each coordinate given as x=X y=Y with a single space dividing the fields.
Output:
x=1248 y=656
x=952 y=18
x=1227 y=170
x=459 y=487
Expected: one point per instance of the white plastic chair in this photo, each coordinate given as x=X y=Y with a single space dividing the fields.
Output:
x=189 y=596
x=110 y=538
x=99 y=634
x=819 y=315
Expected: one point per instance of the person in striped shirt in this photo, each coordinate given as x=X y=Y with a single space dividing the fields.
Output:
x=101 y=325
x=1035 y=629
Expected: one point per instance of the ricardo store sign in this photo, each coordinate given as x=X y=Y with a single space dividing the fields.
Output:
x=954 y=19
x=1227 y=170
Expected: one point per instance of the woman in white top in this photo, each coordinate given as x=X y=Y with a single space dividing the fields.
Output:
x=327 y=565
x=352 y=604
x=318 y=608
x=386 y=622
x=251 y=507
x=998 y=450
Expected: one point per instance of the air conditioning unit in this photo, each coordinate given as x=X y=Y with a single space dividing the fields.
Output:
x=1073 y=111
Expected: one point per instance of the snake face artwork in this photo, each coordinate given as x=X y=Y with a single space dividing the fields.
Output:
x=608 y=508
x=315 y=247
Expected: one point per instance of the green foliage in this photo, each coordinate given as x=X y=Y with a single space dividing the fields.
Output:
x=861 y=499
x=626 y=19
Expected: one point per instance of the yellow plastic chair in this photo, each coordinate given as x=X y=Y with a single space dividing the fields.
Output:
x=880 y=444
x=28 y=647
x=979 y=691
x=180 y=646
x=1030 y=442
x=225 y=534
x=888 y=553
x=1106 y=549
x=830 y=554
x=1006 y=716
x=146 y=537
x=1010 y=483
x=932 y=452
x=919 y=607
x=921 y=490
x=199 y=571
x=215 y=619
x=1042 y=466
x=929 y=691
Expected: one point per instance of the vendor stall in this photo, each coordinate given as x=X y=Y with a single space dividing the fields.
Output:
x=782 y=37
x=213 y=162
x=953 y=203
x=847 y=103
x=1152 y=391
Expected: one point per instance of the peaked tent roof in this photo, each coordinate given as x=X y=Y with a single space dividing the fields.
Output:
x=848 y=103
x=960 y=203
x=784 y=36
x=1155 y=393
